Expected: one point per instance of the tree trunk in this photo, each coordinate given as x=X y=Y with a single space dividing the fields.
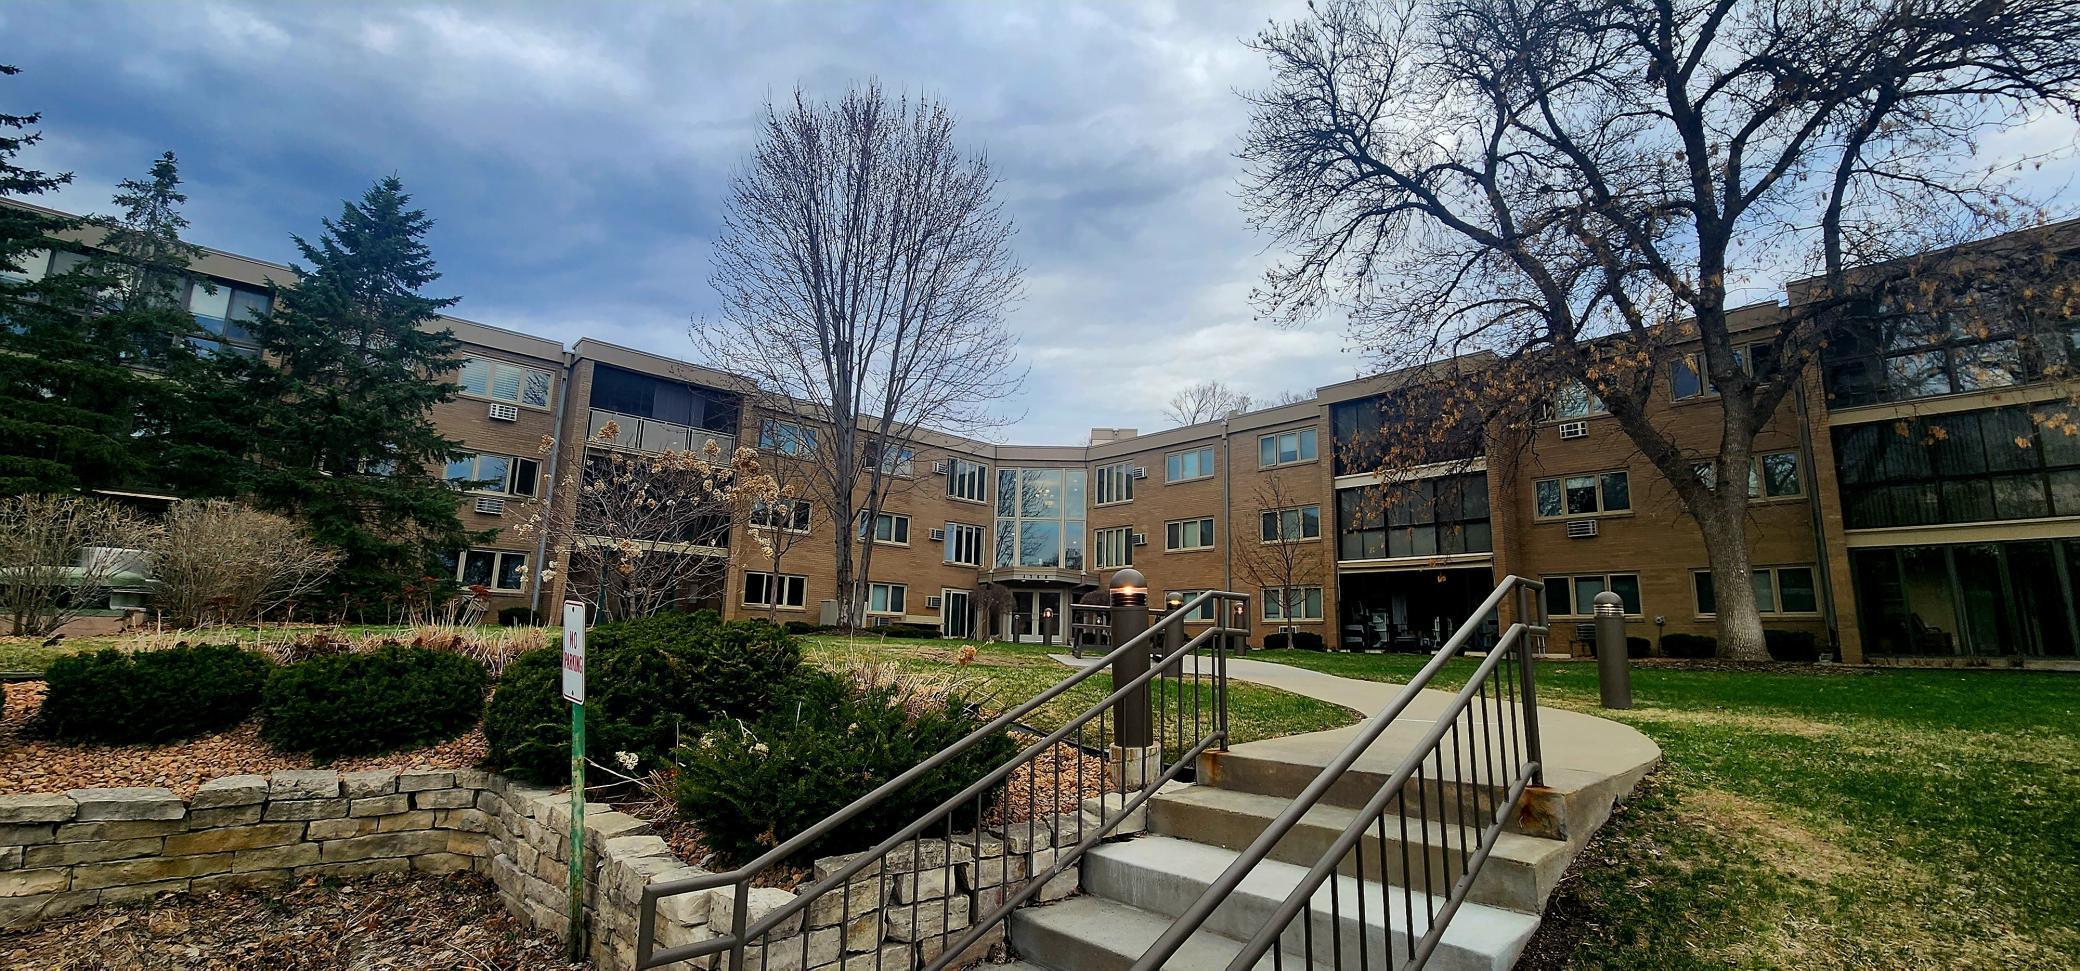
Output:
x=1733 y=586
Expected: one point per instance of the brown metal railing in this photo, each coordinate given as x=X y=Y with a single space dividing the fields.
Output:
x=1458 y=797
x=1161 y=715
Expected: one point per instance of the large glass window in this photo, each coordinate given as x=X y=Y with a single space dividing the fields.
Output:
x=967 y=480
x=1286 y=448
x=1899 y=356
x=484 y=377
x=1040 y=518
x=1115 y=483
x=1184 y=466
x=663 y=399
x=1975 y=466
x=1582 y=495
x=1442 y=516
x=1986 y=599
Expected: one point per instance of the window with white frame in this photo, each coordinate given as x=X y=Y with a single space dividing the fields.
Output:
x=967 y=480
x=1773 y=475
x=775 y=590
x=1582 y=495
x=1188 y=534
x=1115 y=547
x=484 y=377
x=506 y=475
x=886 y=598
x=1290 y=525
x=786 y=438
x=1575 y=596
x=1292 y=603
x=889 y=528
x=499 y=570
x=1115 y=483
x=1574 y=401
x=964 y=544
x=1187 y=465
x=1286 y=448
x=893 y=459
x=1779 y=591
x=1202 y=613
x=788 y=514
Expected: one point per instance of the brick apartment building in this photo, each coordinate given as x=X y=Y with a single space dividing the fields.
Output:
x=1884 y=546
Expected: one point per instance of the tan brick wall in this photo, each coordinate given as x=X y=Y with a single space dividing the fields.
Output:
x=467 y=419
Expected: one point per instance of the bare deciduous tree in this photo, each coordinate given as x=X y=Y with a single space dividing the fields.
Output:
x=1585 y=190
x=1290 y=560
x=776 y=520
x=60 y=556
x=220 y=562
x=1205 y=401
x=864 y=271
x=648 y=530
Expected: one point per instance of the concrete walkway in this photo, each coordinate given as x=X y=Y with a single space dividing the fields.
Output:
x=1581 y=753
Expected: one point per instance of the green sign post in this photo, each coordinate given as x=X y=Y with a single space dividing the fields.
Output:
x=574 y=692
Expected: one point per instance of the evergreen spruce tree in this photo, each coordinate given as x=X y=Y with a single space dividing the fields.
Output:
x=339 y=427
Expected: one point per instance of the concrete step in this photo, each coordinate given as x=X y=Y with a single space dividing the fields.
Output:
x=1096 y=934
x=1164 y=876
x=1520 y=873
x=1278 y=774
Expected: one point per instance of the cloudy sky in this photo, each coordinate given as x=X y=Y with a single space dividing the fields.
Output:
x=575 y=160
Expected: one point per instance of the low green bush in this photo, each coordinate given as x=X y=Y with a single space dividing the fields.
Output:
x=1795 y=646
x=645 y=680
x=1304 y=640
x=1638 y=647
x=393 y=697
x=801 y=627
x=1689 y=645
x=825 y=744
x=910 y=631
x=117 y=698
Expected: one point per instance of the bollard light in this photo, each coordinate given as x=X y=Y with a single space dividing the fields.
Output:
x=1174 y=601
x=1129 y=588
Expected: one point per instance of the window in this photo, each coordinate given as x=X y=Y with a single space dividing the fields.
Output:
x=885 y=598
x=1575 y=596
x=2006 y=463
x=1771 y=476
x=788 y=514
x=483 y=377
x=35 y=264
x=1189 y=534
x=501 y=571
x=1290 y=525
x=1890 y=355
x=967 y=480
x=1442 y=516
x=1582 y=495
x=1040 y=518
x=1573 y=401
x=786 y=438
x=775 y=590
x=1285 y=448
x=1779 y=590
x=1185 y=466
x=1115 y=547
x=1292 y=603
x=502 y=474
x=891 y=528
x=963 y=544
x=1115 y=483
x=665 y=400
x=1202 y=613
x=223 y=312
x=892 y=459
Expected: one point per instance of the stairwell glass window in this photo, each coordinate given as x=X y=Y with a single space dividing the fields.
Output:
x=1290 y=525
x=504 y=475
x=963 y=544
x=967 y=481
x=889 y=529
x=1286 y=448
x=1040 y=518
x=482 y=377
x=501 y=571
x=775 y=590
x=1188 y=534
x=886 y=598
x=1575 y=596
x=1582 y=495
x=791 y=515
x=1114 y=547
x=1188 y=465
x=1779 y=591
x=785 y=438
x=1115 y=483
x=1292 y=603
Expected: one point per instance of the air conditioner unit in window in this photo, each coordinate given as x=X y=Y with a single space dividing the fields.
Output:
x=1140 y=539
x=1138 y=473
x=939 y=468
x=938 y=535
x=500 y=411
x=489 y=506
x=1581 y=528
x=932 y=602
x=1574 y=429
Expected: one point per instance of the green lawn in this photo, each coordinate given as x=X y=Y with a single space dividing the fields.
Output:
x=1846 y=818
x=1004 y=675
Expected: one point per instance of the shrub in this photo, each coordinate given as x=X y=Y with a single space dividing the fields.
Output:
x=518 y=617
x=1690 y=645
x=1796 y=646
x=1638 y=647
x=644 y=679
x=1305 y=640
x=825 y=745
x=151 y=696
x=801 y=627
x=910 y=631
x=45 y=544
x=220 y=562
x=390 y=698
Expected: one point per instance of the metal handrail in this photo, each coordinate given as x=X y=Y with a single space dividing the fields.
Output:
x=1529 y=771
x=741 y=933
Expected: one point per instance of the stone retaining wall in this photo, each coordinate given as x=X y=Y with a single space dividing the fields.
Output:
x=64 y=852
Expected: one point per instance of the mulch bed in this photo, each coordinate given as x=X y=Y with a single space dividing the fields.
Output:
x=451 y=921
x=30 y=764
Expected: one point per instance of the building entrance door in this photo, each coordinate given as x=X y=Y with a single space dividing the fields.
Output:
x=954 y=617
x=1028 y=610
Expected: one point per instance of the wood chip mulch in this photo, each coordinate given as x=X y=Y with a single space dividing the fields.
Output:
x=30 y=764
x=421 y=921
